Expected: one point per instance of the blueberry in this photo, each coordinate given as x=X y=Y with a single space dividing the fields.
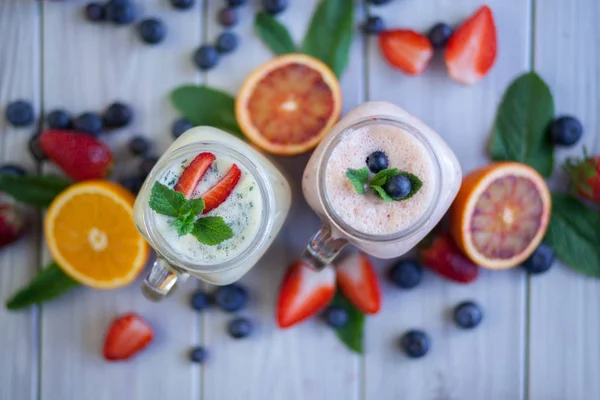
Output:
x=182 y=4
x=541 y=260
x=377 y=161
x=236 y=3
x=118 y=115
x=468 y=315
x=415 y=343
x=120 y=12
x=12 y=169
x=335 y=316
x=240 y=328
x=398 y=187
x=180 y=126
x=374 y=25
x=274 y=6
x=58 y=119
x=35 y=149
x=226 y=42
x=132 y=183
x=566 y=130
x=228 y=16
x=138 y=145
x=406 y=274
x=147 y=164
x=95 y=12
x=152 y=30
x=439 y=35
x=206 y=57
x=199 y=300
x=199 y=354
x=231 y=297
x=378 y=2
x=88 y=122
x=19 y=113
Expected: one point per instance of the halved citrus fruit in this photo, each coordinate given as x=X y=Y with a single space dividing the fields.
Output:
x=90 y=232
x=287 y=105
x=500 y=214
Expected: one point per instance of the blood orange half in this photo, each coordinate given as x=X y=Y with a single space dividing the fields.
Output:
x=500 y=214
x=287 y=105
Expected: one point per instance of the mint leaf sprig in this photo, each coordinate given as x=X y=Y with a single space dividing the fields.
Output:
x=208 y=230
x=360 y=178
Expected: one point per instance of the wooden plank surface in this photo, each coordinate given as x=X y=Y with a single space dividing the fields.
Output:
x=19 y=79
x=564 y=307
x=307 y=361
x=87 y=67
x=486 y=363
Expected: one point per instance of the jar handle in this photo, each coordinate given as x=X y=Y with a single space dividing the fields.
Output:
x=161 y=280
x=322 y=249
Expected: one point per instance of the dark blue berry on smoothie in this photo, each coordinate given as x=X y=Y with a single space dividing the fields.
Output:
x=377 y=161
x=398 y=187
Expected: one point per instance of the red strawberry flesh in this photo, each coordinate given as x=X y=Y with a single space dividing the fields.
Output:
x=12 y=220
x=193 y=173
x=304 y=292
x=441 y=255
x=406 y=50
x=221 y=191
x=356 y=277
x=585 y=174
x=126 y=336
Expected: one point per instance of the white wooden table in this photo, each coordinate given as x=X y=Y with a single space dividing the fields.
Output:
x=541 y=335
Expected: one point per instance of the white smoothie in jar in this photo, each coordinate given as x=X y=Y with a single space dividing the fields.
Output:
x=255 y=210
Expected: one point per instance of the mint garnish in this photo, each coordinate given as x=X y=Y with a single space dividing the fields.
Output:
x=208 y=230
x=358 y=178
x=382 y=193
x=382 y=176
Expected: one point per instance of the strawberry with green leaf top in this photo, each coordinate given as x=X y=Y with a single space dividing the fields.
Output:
x=585 y=174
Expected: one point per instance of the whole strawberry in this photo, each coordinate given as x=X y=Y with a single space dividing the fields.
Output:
x=80 y=156
x=585 y=174
x=12 y=220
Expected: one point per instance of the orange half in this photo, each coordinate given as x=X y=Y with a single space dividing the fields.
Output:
x=91 y=235
x=287 y=105
x=500 y=214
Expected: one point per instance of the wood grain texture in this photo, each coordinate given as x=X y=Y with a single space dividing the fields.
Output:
x=306 y=361
x=486 y=363
x=86 y=67
x=19 y=79
x=564 y=307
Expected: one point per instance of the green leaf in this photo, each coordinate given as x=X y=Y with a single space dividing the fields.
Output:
x=35 y=190
x=330 y=34
x=274 y=34
x=352 y=333
x=49 y=283
x=415 y=184
x=206 y=106
x=382 y=193
x=519 y=133
x=187 y=216
x=212 y=230
x=166 y=201
x=358 y=178
x=574 y=234
x=382 y=176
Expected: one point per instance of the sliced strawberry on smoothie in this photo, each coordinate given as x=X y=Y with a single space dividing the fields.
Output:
x=357 y=279
x=471 y=50
x=406 y=50
x=219 y=193
x=304 y=292
x=193 y=173
x=126 y=336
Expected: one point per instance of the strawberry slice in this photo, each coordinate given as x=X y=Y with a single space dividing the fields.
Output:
x=304 y=292
x=471 y=50
x=406 y=50
x=221 y=191
x=440 y=254
x=357 y=279
x=193 y=173
x=127 y=335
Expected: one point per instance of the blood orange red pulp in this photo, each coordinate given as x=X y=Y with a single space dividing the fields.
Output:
x=500 y=214
x=287 y=105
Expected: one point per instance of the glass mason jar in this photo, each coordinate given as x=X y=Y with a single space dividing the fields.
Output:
x=336 y=233
x=273 y=195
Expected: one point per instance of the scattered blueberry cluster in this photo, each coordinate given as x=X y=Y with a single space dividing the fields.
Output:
x=139 y=146
x=231 y=298
x=124 y=12
x=207 y=56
